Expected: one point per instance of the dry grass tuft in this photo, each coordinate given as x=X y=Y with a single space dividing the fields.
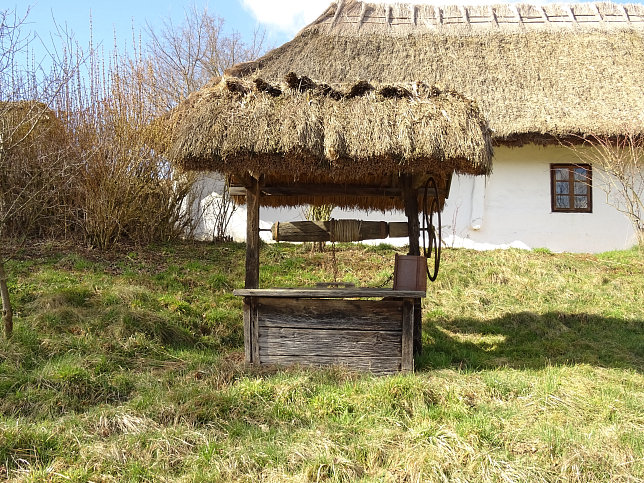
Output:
x=122 y=422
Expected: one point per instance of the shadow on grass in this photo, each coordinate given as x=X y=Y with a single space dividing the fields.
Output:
x=529 y=340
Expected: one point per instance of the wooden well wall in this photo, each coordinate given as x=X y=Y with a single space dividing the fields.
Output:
x=364 y=335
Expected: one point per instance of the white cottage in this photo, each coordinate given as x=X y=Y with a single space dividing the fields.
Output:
x=542 y=75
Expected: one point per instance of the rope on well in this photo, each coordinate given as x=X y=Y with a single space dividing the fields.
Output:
x=344 y=230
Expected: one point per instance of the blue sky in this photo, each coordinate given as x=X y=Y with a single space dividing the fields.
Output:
x=281 y=18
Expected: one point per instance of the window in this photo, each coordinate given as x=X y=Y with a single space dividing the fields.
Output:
x=571 y=188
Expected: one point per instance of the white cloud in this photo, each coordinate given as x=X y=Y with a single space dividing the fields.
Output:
x=289 y=16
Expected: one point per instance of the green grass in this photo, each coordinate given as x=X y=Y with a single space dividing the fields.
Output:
x=128 y=366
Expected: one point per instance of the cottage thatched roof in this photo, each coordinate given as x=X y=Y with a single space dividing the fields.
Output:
x=308 y=133
x=536 y=71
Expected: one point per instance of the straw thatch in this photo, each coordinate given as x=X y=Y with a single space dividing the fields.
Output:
x=305 y=132
x=23 y=118
x=28 y=128
x=537 y=72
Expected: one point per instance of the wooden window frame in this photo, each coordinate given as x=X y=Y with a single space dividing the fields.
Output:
x=571 y=190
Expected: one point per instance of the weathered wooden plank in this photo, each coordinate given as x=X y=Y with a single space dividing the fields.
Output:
x=255 y=336
x=327 y=321
x=418 y=327
x=252 y=235
x=407 y=357
x=377 y=365
x=398 y=229
x=328 y=190
x=248 y=354
x=308 y=342
x=361 y=292
x=331 y=314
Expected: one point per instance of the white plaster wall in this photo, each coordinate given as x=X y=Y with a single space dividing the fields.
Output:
x=205 y=197
x=517 y=207
x=206 y=191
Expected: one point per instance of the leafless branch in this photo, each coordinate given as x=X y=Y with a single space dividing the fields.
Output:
x=619 y=161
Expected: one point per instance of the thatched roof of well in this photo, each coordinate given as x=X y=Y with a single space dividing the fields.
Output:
x=299 y=130
x=537 y=71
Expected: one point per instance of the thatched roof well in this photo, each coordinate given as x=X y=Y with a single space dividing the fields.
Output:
x=306 y=130
x=305 y=133
x=537 y=72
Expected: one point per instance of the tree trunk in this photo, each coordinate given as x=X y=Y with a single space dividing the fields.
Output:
x=7 y=313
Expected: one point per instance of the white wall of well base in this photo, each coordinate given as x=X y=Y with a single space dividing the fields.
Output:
x=511 y=208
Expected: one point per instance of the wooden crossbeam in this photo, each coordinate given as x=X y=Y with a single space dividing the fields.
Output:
x=328 y=190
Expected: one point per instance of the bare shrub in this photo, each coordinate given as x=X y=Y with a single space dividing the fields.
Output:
x=619 y=162
x=223 y=210
x=36 y=169
x=210 y=208
x=37 y=172
x=129 y=191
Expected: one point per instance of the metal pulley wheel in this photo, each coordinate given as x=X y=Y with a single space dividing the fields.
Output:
x=431 y=232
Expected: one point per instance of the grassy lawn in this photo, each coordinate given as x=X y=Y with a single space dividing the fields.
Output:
x=129 y=367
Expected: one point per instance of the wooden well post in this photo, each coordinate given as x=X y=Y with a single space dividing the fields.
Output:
x=252 y=233
x=251 y=335
x=410 y=198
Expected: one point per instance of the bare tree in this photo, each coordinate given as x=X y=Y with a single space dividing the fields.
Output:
x=185 y=57
x=182 y=58
x=86 y=147
x=619 y=161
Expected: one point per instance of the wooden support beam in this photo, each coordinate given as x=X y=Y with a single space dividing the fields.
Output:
x=407 y=356
x=252 y=234
x=327 y=190
x=410 y=197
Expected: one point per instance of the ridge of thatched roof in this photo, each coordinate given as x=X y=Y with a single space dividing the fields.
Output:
x=401 y=18
x=302 y=129
x=538 y=72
